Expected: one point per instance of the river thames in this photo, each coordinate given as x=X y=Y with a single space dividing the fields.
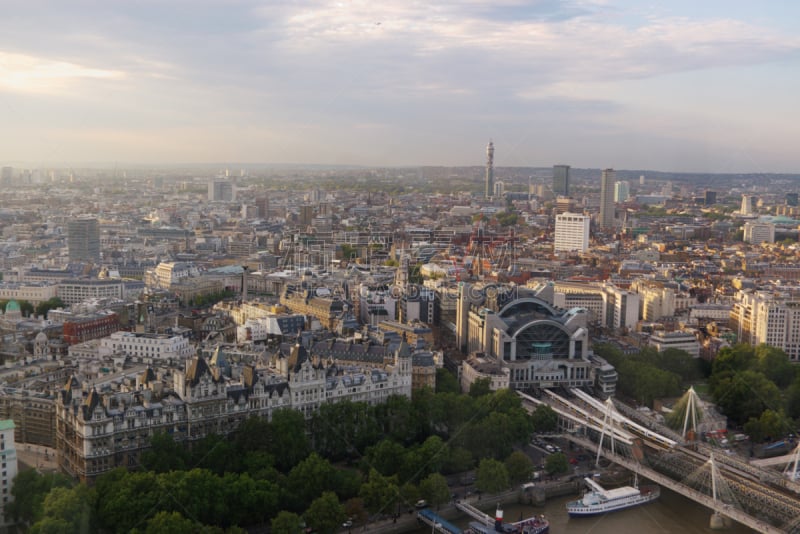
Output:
x=671 y=513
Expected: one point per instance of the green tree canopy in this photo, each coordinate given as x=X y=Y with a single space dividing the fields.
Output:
x=519 y=466
x=556 y=463
x=446 y=382
x=492 y=476
x=434 y=489
x=286 y=523
x=325 y=514
x=29 y=491
x=380 y=493
x=544 y=418
x=171 y=523
x=745 y=395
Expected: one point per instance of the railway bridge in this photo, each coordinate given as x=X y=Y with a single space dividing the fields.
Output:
x=735 y=490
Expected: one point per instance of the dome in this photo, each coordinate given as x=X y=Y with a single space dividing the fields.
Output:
x=12 y=306
x=41 y=337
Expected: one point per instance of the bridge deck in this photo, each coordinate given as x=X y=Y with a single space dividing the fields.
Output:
x=664 y=481
x=439 y=524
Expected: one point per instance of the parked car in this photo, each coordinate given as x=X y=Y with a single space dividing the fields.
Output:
x=422 y=503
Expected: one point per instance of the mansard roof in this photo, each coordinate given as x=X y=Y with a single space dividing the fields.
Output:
x=197 y=368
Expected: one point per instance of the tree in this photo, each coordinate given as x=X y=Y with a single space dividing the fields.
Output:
x=386 y=456
x=379 y=493
x=309 y=479
x=769 y=425
x=775 y=365
x=354 y=509
x=492 y=476
x=481 y=387
x=29 y=490
x=287 y=440
x=123 y=498
x=26 y=308
x=170 y=523
x=286 y=523
x=681 y=363
x=344 y=429
x=490 y=437
x=326 y=513
x=519 y=466
x=745 y=395
x=434 y=489
x=545 y=419
x=460 y=460
x=164 y=454
x=424 y=459
x=556 y=463
x=69 y=508
x=446 y=382
x=45 y=306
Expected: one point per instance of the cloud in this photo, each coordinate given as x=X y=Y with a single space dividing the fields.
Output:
x=25 y=73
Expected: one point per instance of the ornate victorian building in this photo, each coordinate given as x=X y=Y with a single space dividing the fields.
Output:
x=101 y=427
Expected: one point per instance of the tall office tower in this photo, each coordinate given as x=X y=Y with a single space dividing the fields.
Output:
x=262 y=205
x=306 y=214
x=572 y=233
x=791 y=199
x=561 y=180
x=83 y=239
x=499 y=189
x=220 y=190
x=747 y=205
x=622 y=191
x=711 y=198
x=6 y=174
x=489 y=171
x=607 y=180
x=8 y=455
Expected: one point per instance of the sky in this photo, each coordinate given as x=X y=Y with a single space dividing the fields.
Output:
x=670 y=85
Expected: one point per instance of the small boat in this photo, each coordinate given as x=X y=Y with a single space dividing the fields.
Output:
x=599 y=500
x=532 y=525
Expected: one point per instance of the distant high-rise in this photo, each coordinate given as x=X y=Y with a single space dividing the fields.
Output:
x=83 y=239
x=747 y=205
x=711 y=198
x=489 y=189
x=306 y=214
x=499 y=189
x=622 y=191
x=561 y=180
x=791 y=199
x=607 y=179
x=6 y=175
x=220 y=190
x=262 y=205
x=8 y=455
x=571 y=233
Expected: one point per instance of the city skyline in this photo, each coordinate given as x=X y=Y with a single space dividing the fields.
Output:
x=679 y=88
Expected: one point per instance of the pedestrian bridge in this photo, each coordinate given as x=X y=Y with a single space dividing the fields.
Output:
x=760 y=499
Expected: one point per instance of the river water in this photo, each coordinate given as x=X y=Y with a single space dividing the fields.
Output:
x=671 y=513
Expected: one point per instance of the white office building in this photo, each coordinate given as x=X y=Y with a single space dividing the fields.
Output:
x=8 y=459
x=622 y=190
x=147 y=347
x=572 y=233
x=686 y=341
x=756 y=233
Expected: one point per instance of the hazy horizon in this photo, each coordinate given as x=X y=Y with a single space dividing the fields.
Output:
x=675 y=87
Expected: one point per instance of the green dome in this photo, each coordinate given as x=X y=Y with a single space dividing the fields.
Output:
x=12 y=306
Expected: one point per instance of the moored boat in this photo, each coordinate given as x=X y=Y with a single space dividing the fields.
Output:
x=599 y=500
x=532 y=525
